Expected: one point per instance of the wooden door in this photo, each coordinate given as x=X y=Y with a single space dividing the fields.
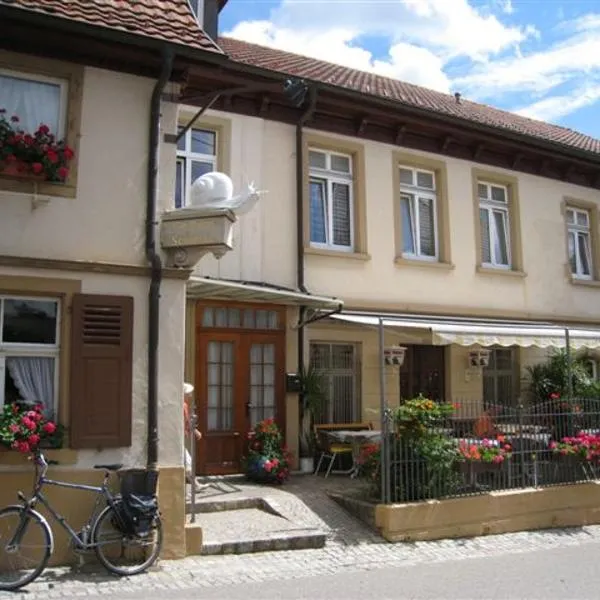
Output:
x=219 y=405
x=240 y=382
x=423 y=373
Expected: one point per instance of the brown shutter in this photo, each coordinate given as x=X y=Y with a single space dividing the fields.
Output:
x=101 y=371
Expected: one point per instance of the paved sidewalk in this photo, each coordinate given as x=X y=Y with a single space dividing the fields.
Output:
x=351 y=547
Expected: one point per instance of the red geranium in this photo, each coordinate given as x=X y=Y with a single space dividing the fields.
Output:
x=39 y=152
x=22 y=427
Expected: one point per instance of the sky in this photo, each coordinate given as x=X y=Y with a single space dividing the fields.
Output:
x=539 y=58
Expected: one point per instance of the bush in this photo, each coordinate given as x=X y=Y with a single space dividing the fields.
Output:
x=24 y=428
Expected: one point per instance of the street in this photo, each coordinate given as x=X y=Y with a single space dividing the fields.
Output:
x=556 y=564
x=560 y=573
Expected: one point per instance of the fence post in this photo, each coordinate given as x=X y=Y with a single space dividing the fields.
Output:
x=521 y=442
x=385 y=466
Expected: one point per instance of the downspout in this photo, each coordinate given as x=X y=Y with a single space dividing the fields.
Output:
x=306 y=115
x=153 y=257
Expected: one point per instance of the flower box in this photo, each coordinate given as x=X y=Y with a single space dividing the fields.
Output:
x=21 y=170
x=34 y=155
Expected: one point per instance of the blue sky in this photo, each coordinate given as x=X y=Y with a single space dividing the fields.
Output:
x=540 y=58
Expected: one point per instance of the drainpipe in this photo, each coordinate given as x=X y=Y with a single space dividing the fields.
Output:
x=153 y=257
x=306 y=115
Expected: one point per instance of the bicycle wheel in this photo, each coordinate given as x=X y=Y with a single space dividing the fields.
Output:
x=122 y=553
x=22 y=563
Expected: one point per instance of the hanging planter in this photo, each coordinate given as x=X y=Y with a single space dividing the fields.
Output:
x=38 y=156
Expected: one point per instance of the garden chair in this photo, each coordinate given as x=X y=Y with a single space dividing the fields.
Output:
x=330 y=449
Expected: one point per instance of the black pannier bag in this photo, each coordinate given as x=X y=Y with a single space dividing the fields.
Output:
x=139 y=505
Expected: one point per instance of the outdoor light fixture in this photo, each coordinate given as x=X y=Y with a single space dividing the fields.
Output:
x=295 y=91
x=479 y=358
x=394 y=355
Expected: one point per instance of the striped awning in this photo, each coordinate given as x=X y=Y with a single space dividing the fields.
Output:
x=480 y=332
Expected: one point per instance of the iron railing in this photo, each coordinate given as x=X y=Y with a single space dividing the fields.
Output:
x=475 y=451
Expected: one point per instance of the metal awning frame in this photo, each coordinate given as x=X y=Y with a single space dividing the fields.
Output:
x=223 y=289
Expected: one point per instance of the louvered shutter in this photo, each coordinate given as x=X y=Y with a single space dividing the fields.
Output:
x=426 y=227
x=340 y=213
x=101 y=371
x=486 y=249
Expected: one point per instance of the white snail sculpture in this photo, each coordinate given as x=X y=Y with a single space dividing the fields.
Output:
x=215 y=190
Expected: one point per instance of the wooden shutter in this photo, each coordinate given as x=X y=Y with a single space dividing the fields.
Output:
x=101 y=371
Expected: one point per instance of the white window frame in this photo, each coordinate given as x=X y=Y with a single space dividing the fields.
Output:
x=9 y=349
x=491 y=206
x=64 y=90
x=414 y=192
x=186 y=157
x=330 y=177
x=577 y=231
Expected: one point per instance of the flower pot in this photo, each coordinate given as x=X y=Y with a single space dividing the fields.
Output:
x=307 y=464
x=21 y=170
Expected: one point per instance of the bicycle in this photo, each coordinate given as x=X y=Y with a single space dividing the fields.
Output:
x=32 y=530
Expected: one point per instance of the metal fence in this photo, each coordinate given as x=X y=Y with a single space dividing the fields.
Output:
x=473 y=451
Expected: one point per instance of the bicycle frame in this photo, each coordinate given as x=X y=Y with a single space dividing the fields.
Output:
x=102 y=492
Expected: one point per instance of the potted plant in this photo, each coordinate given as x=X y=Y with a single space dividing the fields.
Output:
x=267 y=459
x=313 y=397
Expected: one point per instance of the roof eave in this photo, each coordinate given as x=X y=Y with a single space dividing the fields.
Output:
x=104 y=33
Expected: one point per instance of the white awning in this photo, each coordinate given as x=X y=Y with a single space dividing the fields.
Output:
x=224 y=289
x=465 y=332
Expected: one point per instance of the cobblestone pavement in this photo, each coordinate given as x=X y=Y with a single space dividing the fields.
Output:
x=351 y=547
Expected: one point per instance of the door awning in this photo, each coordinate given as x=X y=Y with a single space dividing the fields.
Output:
x=226 y=289
x=471 y=332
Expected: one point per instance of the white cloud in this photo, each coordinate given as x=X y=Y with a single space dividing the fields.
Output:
x=555 y=107
x=575 y=57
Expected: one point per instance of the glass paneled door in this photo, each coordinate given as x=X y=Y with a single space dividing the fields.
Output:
x=240 y=380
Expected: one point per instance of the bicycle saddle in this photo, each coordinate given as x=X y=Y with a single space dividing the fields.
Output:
x=111 y=467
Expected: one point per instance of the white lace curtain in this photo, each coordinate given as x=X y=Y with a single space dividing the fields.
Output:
x=34 y=378
x=34 y=102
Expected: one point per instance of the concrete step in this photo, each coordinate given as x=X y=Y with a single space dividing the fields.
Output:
x=253 y=529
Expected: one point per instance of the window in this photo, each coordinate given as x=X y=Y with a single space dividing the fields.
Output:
x=495 y=224
x=35 y=99
x=339 y=365
x=29 y=347
x=331 y=200
x=499 y=378
x=196 y=156
x=235 y=317
x=418 y=213
x=579 y=243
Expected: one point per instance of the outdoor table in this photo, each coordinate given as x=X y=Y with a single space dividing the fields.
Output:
x=356 y=439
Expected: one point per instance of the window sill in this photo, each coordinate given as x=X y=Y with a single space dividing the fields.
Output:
x=35 y=187
x=429 y=264
x=336 y=253
x=585 y=282
x=506 y=272
x=64 y=456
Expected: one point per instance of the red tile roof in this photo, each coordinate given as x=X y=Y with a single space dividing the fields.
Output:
x=405 y=93
x=168 y=20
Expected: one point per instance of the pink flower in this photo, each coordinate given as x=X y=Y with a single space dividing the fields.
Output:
x=31 y=425
x=49 y=427
x=14 y=428
x=34 y=439
x=268 y=466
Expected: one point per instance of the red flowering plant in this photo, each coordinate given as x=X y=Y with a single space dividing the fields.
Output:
x=267 y=458
x=25 y=428
x=369 y=461
x=494 y=451
x=38 y=153
x=584 y=446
